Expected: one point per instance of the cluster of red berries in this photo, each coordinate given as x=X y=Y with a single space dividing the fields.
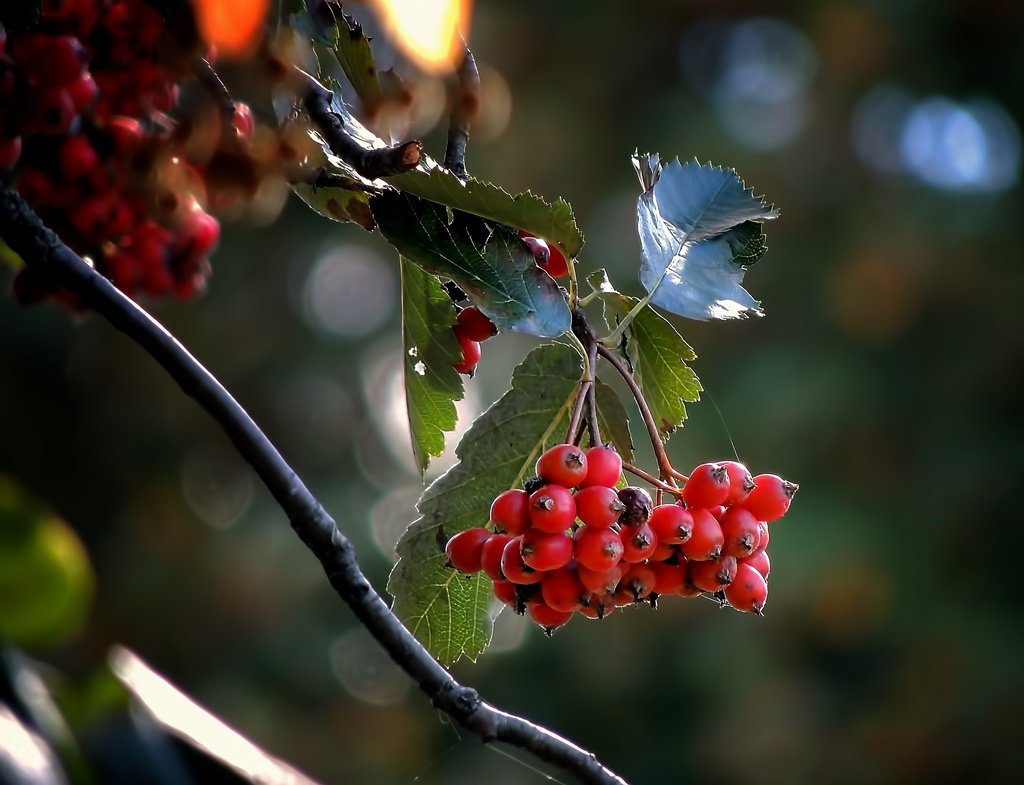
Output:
x=83 y=132
x=552 y=551
x=472 y=327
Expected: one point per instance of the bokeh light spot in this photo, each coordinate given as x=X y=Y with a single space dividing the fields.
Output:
x=349 y=292
x=365 y=670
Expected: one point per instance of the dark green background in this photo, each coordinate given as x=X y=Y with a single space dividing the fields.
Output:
x=884 y=379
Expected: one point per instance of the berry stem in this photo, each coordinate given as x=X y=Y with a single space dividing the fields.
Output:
x=210 y=79
x=664 y=464
x=592 y=418
x=465 y=106
x=654 y=481
x=42 y=250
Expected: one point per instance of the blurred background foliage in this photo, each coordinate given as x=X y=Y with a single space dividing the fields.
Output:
x=884 y=379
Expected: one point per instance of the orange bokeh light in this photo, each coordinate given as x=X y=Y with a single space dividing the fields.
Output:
x=427 y=31
x=235 y=27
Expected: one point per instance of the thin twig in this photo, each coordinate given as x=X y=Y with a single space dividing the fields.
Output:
x=464 y=109
x=210 y=79
x=664 y=464
x=574 y=431
x=42 y=250
x=643 y=475
x=371 y=163
x=592 y=418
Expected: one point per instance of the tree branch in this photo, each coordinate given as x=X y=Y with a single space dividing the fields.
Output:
x=467 y=102
x=42 y=250
x=370 y=163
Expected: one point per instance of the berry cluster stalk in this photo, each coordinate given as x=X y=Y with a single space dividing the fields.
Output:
x=43 y=251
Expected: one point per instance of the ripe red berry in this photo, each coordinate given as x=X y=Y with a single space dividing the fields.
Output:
x=472 y=323
x=552 y=509
x=663 y=551
x=598 y=549
x=10 y=152
x=539 y=248
x=470 y=354
x=763 y=537
x=708 y=486
x=740 y=529
x=556 y=266
x=706 y=540
x=638 y=506
x=760 y=562
x=505 y=591
x=490 y=555
x=510 y=511
x=464 y=549
x=771 y=497
x=672 y=523
x=713 y=575
x=637 y=583
x=748 y=590
x=599 y=605
x=544 y=552
x=514 y=568
x=668 y=578
x=547 y=617
x=740 y=482
x=604 y=467
x=243 y=120
x=76 y=157
x=563 y=591
x=638 y=542
x=598 y=506
x=597 y=581
x=83 y=92
x=563 y=464
x=52 y=112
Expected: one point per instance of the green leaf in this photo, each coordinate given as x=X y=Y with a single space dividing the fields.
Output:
x=613 y=420
x=448 y=611
x=356 y=59
x=489 y=262
x=46 y=582
x=657 y=353
x=339 y=203
x=432 y=385
x=554 y=222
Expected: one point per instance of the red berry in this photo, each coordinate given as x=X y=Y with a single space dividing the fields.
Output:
x=510 y=511
x=638 y=542
x=126 y=134
x=598 y=549
x=708 y=486
x=556 y=266
x=604 y=467
x=598 y=506
x=470 y=355
x=771 y=497
x=599 y=605
x=49 y=60
x=563 y=464
x=464 y=549
x=603 y=580
x=539 y=248
x=672 y=523
x=763 y=536
x=760 y=562
x=202 y=231
x=740 y=482
x=668 y=578
x=552 y=509
x=713 y=575
x=472 y=323
x=514 y=568
x=243 y=120
x=10 y=152
x=76 y=157
x=52 y=113
x=637 y=584
x=740 y=529
x=547 y=617
x=83 y=92
x=706 y=541
x=638 y=506
x=563 y=591
x=490 y=555
x=663 y=551
x=505 y=591
x=544 y=552
x=748 y=590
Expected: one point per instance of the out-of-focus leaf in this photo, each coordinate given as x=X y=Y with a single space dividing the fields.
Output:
x=432 y=385
x=699 y=229
x=613 y=420
x=489 y=262
x=657 y=353
x=46 y=582
x=554 y=222
x=356 y=58
x=339 y=203
x=448 y=611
